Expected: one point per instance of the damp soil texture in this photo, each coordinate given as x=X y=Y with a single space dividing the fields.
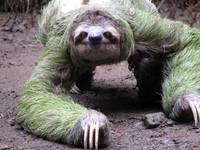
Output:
x=113 y=92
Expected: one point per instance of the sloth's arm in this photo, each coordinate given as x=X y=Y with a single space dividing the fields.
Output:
x=43 y=109
x=181 y=45
x=157 y=36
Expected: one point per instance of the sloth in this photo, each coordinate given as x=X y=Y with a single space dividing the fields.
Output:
x=80 y=35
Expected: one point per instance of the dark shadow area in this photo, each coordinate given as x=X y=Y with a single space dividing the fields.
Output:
x=107 y=99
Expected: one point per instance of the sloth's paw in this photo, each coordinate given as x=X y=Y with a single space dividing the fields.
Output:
x=90 y=131
x=187 y=108
x=96 y=130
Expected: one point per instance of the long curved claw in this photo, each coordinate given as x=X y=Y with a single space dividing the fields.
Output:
x=86 y=137
x=198 y=111
x=91 y=137
x=97 y=136
x=91 y=134
x=75 y=90
x=195 y=111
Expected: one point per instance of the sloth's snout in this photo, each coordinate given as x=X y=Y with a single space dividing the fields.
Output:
x=95 y=37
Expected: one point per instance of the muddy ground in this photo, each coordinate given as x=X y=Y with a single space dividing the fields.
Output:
x=113 y=92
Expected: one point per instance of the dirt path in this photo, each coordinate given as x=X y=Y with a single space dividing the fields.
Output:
x=113 y=93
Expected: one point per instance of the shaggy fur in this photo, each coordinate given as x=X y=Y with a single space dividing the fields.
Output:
x=44 y=108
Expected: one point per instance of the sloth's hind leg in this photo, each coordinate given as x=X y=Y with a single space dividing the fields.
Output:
x=83 y=83
x=148 y=73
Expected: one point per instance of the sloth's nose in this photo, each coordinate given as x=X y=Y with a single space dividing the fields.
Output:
x=95 y=37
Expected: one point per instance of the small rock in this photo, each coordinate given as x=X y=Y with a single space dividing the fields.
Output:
x=196 y=25
x=153 y=120
x=8 y=37
x=1 y=115
x=12 y=63
x=11 y=121
x=170 y=122
x=6 y=147
x=167 y=142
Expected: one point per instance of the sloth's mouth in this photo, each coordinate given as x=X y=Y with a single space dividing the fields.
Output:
x=99 y=54
x=99 y=62
x=101 y=45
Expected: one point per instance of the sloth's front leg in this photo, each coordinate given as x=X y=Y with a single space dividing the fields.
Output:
x=46 y=111
x=91 y=130
x=181 y=86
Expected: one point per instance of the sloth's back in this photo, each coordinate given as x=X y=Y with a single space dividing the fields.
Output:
x=67 y=5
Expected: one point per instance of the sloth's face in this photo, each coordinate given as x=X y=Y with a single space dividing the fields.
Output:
x=97 y=41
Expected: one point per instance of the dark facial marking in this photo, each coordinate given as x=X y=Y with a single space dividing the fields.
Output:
x=108 y=35
x=81 y=37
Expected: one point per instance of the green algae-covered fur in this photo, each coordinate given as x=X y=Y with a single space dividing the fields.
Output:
x=78 y=35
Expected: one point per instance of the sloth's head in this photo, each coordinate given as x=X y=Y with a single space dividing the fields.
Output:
x=97 y=39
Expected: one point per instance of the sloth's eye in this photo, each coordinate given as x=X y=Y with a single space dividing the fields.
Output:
x=81 y=37
x=108 y=35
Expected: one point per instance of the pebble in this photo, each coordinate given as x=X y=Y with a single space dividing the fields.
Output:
x=153 y=120
x=6 y=147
